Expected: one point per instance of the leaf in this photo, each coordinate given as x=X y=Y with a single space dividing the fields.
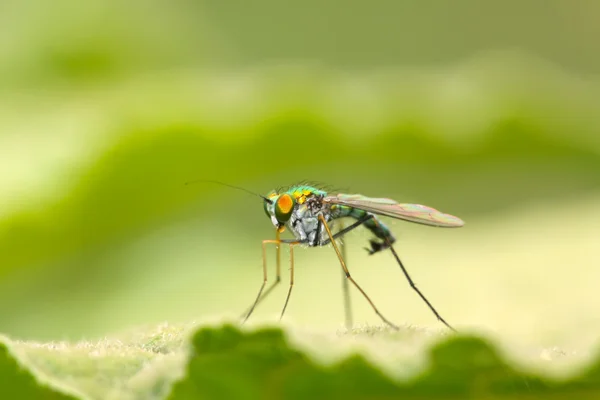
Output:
x=17 y=382
x=229 y=364
x=225 y=362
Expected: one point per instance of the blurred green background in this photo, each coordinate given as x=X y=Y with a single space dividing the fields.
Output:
x=486 y=111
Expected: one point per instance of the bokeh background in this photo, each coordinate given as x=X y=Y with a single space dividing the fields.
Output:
x=486 y=111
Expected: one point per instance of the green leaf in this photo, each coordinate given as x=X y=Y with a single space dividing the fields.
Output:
x=17 y=382
x=227 y=363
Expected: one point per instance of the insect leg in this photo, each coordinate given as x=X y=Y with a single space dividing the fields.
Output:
x=347 y=273
x=291 y=280
x=248 y=312
x=412 y=285
x=345 y=286
x=317 y=240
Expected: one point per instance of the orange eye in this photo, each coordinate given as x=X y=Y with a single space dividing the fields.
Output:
x=285 y=203
x=284 y=207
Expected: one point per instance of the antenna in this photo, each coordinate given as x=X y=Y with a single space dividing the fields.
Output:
x=231 y=186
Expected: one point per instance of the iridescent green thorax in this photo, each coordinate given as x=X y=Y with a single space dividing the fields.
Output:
x=302 y=193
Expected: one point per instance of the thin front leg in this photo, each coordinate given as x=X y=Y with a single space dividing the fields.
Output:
x=248 y=312
x=291 y=280
x=347 y=273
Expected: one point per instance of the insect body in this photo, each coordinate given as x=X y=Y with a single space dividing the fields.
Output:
x=310 y=214
x=304 y=204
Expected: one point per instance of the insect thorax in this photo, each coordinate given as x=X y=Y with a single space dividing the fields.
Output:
x=305 y=219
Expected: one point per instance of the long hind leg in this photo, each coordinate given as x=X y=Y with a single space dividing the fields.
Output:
x=349 y=277
x=412 y=285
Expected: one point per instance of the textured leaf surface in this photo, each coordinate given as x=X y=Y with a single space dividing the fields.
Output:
x=227 y=363
x=17 y=382
x=224 y=362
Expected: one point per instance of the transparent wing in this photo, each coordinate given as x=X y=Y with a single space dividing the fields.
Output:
x=390 y=208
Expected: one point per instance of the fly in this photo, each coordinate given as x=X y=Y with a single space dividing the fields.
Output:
x=310 y=214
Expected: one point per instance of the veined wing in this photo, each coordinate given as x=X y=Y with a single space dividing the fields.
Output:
x=409 y=212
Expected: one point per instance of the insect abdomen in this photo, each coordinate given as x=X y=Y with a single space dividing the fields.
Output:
x=374 y=224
